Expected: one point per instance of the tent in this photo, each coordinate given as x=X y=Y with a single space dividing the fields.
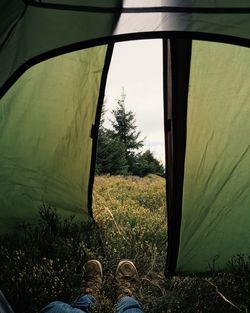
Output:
x=54 y=60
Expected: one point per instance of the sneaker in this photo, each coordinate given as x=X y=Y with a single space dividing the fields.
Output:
x=93 y=278
x=127 y=279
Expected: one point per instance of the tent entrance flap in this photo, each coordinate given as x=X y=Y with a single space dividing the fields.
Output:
x=216 y=194
x=95 y=126
x=176 y=58
x=45 y=124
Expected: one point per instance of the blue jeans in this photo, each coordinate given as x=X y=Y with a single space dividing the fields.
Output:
x=82 y=305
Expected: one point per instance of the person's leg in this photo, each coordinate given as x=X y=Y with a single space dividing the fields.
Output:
x=84 y=303
x=127 y=279
x=128 y=305
x=60 y=307
x=93 y=280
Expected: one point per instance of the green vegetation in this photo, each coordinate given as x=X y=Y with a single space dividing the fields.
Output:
x=44 y=262
x=118 y=148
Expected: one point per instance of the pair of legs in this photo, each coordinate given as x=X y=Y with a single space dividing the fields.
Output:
x=126 y=278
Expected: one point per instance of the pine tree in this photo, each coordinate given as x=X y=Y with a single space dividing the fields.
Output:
x=110 y=157
x=148 y=164
x=126 y=132
x=117 y=148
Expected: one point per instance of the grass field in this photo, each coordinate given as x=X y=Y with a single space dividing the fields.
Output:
x=131 y=214
x=45 y=262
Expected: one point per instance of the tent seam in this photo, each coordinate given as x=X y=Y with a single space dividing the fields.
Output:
x=239 y=41
x=166 y=9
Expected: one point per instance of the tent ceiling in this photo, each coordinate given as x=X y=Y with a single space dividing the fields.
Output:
x=30 y=32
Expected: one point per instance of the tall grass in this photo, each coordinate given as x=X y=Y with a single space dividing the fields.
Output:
x=130 y=212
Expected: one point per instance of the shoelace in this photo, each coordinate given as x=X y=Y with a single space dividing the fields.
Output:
x=125 y=288
x=92 y=285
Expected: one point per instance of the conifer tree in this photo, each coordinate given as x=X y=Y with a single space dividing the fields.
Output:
x=125 y=130
x=148 y=164
x=110 y=157
x=117 y=148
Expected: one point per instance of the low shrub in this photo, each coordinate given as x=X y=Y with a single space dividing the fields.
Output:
x=45 y=262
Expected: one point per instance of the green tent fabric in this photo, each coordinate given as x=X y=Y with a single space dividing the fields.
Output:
x=32 y=29
x=216 y=217
x=54 y=60
x=45 y=124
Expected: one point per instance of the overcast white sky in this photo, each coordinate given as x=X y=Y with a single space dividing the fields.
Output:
x=137 y=67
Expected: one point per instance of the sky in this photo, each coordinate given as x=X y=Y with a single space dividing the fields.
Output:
x=136 y=68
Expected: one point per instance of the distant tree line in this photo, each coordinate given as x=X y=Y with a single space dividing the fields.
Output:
x=118 y=147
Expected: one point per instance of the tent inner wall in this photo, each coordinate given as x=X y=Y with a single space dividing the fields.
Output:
x=45 y=124
x=216 y=195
